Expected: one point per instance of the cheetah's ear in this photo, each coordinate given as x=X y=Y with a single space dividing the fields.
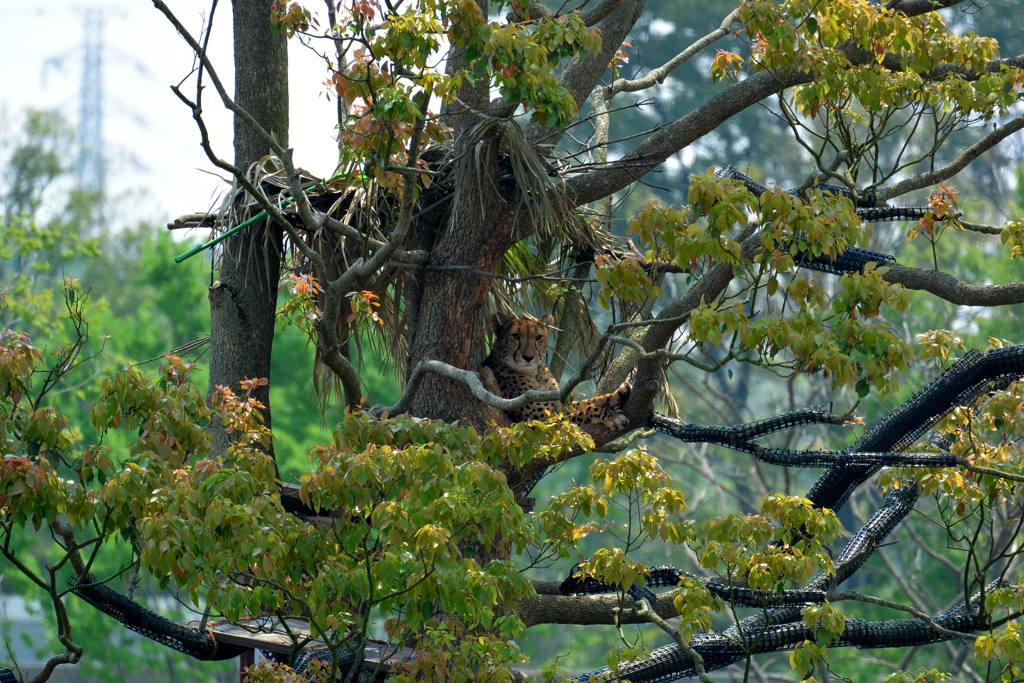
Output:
x=548 y=320
x=499 y=322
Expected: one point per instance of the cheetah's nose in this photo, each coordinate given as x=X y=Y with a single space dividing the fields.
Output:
x=528 y=358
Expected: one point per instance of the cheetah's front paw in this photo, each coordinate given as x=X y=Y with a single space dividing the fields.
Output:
x=615 y=401
x=616 y=420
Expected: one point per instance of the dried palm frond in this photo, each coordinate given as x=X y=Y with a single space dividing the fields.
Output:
x=537 y=185
x=371 y=208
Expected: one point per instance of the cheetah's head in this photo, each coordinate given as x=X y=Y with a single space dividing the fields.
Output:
x=521 y=343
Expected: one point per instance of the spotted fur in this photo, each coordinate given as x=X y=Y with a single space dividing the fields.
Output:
x=516 y=365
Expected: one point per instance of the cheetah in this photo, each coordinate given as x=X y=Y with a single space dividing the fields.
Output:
x=516 y=365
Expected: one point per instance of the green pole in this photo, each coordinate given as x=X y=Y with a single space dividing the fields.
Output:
x=217 y=240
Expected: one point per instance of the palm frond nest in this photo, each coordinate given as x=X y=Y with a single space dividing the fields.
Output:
x=552 y=242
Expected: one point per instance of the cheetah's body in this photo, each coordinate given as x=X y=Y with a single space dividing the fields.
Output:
x=516 y=365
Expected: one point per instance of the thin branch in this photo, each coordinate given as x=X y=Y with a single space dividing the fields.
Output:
x=624 y=442
x=658 y=76
x=470 y=379
x=698 y=661
x=229 y=103
x=860 y=597
x=980 y=227
x=952 y=168
x=991 y=471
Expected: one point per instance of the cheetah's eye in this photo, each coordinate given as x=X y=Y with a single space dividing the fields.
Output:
x=515 y=336
x=539 y=337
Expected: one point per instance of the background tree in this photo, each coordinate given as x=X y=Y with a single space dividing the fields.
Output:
x=439 y=215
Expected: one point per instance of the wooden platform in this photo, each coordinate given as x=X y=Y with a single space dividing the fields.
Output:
x=268 y=633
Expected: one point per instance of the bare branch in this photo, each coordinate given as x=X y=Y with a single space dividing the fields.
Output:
x=470 y=379
x=980 y=227
x=657 y=76
x=682 y=132
x=229 y=103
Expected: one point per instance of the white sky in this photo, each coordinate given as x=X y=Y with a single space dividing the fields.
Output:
x=151 y=139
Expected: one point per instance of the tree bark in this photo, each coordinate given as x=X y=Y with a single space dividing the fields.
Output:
x=454 y=306
x=590 y=609
x=243 y=302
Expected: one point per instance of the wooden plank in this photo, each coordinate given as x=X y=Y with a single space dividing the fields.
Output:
x=377 y=652
x=264 y=633
x=267 y=633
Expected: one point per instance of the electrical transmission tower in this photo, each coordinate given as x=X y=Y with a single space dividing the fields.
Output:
x=91 y=167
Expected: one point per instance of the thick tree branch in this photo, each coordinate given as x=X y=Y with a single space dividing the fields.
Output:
x=583 y=74
x=684 y=131
x=470 y=379
x=592 y=609
x=72 y=655
x=912 y=8
x=947 y=287
x=593 y=16
x=598 y=183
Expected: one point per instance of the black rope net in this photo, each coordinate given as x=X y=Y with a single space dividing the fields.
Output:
x=190 y=641
x=198 y=643
x=864 y=201
x=665 y=575
x=853 y=259
x=776 y=627
x=719 y=650
x=347 y=658
x=961 y=384
x=739 y=438
x=779 y=629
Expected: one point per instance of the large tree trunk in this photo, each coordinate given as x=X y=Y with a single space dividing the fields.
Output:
x=243 y=302
x=454 y=306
